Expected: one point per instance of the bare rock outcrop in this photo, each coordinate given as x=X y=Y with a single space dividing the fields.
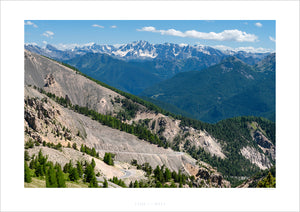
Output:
x=49 y=80
x=52 y=76
x=206 y=176
x=255 y=157
x=262 y=140
x=265 y=144
x=69 y=126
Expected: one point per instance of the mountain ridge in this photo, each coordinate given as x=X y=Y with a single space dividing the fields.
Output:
x=220 y=88
x=180 y=134
x=143 y=50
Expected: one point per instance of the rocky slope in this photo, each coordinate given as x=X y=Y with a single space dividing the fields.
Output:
x=51 y=76
x=46 y=120
x=62 y=81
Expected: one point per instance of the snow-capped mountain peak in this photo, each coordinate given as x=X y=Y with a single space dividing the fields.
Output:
x=141 y=50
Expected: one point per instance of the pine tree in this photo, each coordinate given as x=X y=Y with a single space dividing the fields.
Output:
x=136 y=184
x=39 y=169
x=108 y=159
x=158 y=173
x=158 y=185
x=175 y=177
x=27 y=174
x=68 y=167
x=93 y=163
x=131 y=184
x=89 y=173
x=93 y=153
x=51 y=180
x=105 y=184
x=267 y=182
x=61 y=182
x=26 y=156
x=74 y=176
x=74 y=145
x=82 y=148
x=167 y=175
x=79 y=169
x=93 y=182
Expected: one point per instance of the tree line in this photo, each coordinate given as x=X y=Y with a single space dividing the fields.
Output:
x=138 y=130
x=160 y=177
x=56 y=176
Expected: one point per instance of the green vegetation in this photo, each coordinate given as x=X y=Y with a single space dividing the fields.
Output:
x=267 y=182
x=130 y=110
x=119 y=182
x=27 y=173
x=137 y=130
x=39 y=166
x=105 y=184
x=160 y=177
x=56 y=177
x=236 y=133
x=262 y=177
x=90 y=151
x=90 y=176
x=228 y=89
x=108 y=158
x=233 y=133
x=150 y=106
x=29 y=144
x=115 y=72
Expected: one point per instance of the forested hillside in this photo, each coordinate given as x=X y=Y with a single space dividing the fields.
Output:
x=228 y=89
x=109 y=120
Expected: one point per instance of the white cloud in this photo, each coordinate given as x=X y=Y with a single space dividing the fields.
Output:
x=226 y=35
x=272 y=39
x=96 y=25
x=31 y=24
x=44 y=42
x=258 y=24
x=48 y=34
x=148 y=29
x=246 y=49
x=113 y=26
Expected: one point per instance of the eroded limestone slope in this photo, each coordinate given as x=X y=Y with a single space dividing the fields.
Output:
x=45 y=120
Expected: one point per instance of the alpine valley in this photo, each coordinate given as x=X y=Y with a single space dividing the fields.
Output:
x=203 y=118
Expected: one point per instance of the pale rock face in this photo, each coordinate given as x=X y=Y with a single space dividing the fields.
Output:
x=256 y=157
x=265 y=144
x=61 y=81
x=93 y=134
x=206 y=141
x=172 y=129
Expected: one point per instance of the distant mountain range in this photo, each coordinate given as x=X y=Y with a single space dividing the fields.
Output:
x=143 y=50
x=198 y=81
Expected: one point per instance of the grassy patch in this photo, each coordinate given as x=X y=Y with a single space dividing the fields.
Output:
x=41 y=183
x=36 y=183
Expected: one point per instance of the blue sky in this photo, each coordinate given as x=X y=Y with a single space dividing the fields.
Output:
x=252 y=34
